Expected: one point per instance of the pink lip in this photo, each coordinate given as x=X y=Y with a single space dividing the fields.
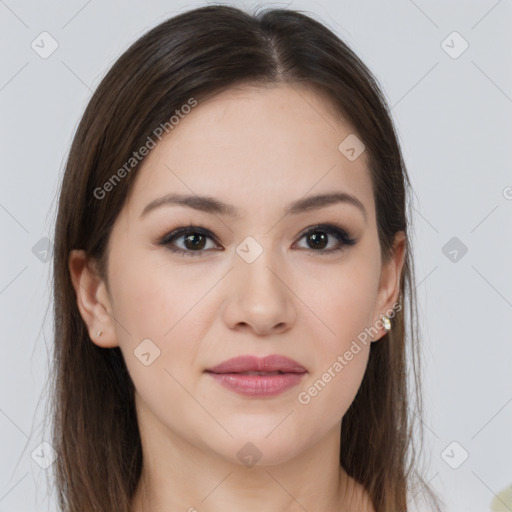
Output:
x=259 y=364
x=229 y=375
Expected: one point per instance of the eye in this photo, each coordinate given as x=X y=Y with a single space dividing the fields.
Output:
x=318 y=238
x=194 y=240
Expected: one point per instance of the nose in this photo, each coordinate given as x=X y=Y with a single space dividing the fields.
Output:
x=258 y=297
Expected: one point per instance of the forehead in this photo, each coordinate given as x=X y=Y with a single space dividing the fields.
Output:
x=255 y=146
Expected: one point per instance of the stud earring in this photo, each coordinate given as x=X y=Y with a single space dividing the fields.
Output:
x=386 y=322
x=99 y=333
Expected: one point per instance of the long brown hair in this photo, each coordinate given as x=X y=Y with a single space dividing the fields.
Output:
x=196 y=55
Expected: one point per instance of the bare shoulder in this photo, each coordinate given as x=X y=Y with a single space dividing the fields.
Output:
x=359 y=499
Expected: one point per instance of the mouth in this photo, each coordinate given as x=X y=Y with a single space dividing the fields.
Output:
x=258 y=377
x=259 y=365
x=259 y=373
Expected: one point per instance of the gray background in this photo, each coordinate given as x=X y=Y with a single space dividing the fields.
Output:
x=453 y=118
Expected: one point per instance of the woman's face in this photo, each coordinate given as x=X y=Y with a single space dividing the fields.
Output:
x=262 y=282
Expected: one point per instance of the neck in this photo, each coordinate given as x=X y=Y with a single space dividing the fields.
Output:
x=178 y=475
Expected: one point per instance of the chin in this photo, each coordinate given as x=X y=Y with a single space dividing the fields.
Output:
x=259 y=448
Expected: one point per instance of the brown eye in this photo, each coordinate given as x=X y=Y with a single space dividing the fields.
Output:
x=319 y=237
x=318 y=240
x=193 y=239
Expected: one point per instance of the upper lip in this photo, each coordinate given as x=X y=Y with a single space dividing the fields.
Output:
x=250 y=363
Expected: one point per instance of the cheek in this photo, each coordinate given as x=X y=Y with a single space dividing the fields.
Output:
x=330 y=391
x=342 y=298
x=169 y=307
x=344 y=308
x=161 y=304
x=153 y=300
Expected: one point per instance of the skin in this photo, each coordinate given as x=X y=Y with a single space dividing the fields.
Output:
x=259 y=150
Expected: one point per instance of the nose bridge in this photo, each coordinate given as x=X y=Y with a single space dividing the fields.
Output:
x=256 y=294
x=257 y=264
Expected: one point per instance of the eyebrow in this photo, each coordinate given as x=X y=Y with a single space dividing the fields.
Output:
x=211 y=205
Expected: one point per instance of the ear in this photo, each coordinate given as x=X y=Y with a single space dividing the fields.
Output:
x=389 y=285
x=92 y=299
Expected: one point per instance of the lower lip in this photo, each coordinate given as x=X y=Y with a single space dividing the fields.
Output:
x=258 y=385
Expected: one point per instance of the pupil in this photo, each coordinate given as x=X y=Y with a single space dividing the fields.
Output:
x=318 y=241
x=196 y=245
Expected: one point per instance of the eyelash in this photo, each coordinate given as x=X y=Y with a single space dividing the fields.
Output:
x=345 y=239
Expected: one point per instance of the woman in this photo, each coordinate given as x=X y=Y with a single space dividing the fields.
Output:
x=232 y=261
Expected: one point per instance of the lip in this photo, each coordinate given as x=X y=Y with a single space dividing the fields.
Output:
x=229 y=374
x=272 y=363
